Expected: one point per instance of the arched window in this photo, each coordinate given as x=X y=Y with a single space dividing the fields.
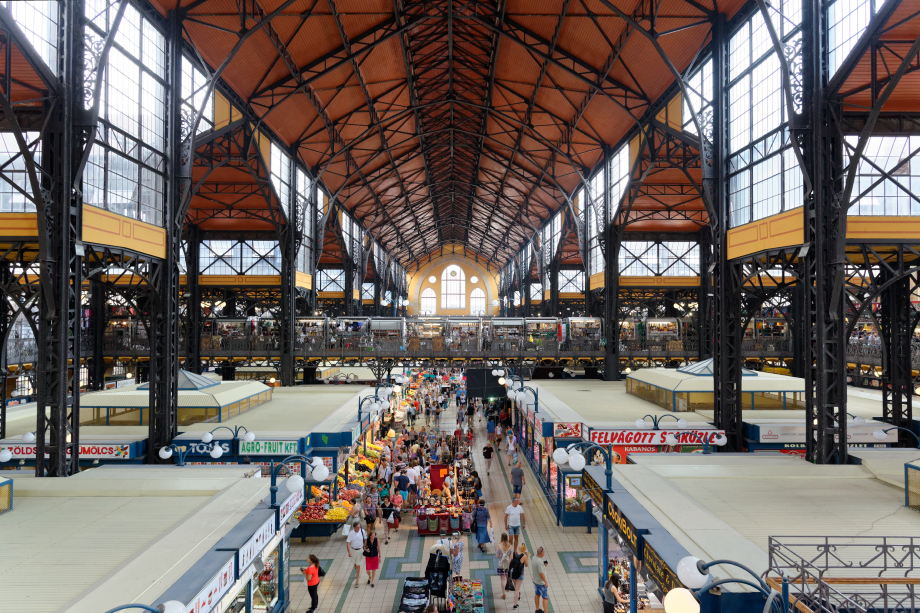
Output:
x=453 y=288
x=477 y=302
x=429 y=302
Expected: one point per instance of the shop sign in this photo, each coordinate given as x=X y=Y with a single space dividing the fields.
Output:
x=256 y=543
x=564 y=430
x=289 y=506
x=284 y=448
x=594 y=491
x=199 y=448
x=97 y=451
x=209 y=597
x=624 y=527
x=653 y=437
x=795 y=433
x=659 y=571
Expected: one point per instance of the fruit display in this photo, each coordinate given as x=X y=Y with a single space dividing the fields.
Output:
x=336 y=514
x=349 y=494
x=313 y=513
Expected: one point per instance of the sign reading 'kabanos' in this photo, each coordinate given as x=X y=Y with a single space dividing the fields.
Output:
x=269 y=447
x=654 y=437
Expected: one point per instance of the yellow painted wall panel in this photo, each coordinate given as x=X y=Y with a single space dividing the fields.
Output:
x=649 y=281
x=781 y=230
x=304 y=280
x=103 y=227
x=871 y=227
x=239 y=280
x=18 y=225
x=596 y=280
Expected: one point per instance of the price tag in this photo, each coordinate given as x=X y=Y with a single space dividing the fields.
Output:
x=326 y=507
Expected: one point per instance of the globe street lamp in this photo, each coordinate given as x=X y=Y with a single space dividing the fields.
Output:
x=881 y=435
x=296 y=483
x=694 y=574
x=641 y=423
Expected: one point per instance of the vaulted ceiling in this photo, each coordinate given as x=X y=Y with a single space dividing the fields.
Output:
x=448 y=121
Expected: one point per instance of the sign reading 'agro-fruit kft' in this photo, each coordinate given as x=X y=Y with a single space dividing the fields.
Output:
x=269 y=447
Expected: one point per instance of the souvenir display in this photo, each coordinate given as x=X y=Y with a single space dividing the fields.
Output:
x=465 y=596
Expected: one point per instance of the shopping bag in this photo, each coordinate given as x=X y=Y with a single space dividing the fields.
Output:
x=392 y=518
x=345 y=529
x=509 y=584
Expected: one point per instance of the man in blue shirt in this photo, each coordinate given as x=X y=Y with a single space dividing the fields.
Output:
x=402 y=484
x=490 y=428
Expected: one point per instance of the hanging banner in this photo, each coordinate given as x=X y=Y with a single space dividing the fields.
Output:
x=564 y=430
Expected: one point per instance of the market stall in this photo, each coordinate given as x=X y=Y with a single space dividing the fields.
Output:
x=584 y=333
x=465 y=596
x=427 y=333
x=463 y=333
x=542 y=333
x=389 y=333
x=351 y=333
x=507 y=333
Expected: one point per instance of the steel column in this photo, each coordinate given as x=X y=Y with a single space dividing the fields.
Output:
x=193 y=327
x=288 y=296
x=98 y=318
x=7 y=319
x=612 y=303
x=896 y=331
x=58 y=415
x=704 y=303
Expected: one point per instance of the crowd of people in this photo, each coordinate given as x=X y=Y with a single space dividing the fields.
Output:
x=401 y=481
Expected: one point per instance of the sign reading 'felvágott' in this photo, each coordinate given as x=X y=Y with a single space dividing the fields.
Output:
x=269 y=447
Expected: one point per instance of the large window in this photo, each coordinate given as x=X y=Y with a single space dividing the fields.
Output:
x=618 y=169
x=280 y=166
x=307 y=203
x=330 y=280
x=847 y=20
x=38 y=20
x=477 y=302
x=897 y=192
x=126 y=172
x=571 y=281
x=667 y=259
x=428 y=304
x=453 y=288
x=764 y=175
x=367 y=291
x=15 y=188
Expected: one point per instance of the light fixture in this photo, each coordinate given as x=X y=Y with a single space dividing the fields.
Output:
x=689 y=573
x=719 y=440
x=670 y=440
x=682 y=423
x=501 y=380
x=681 y=600
x=320 y=473
x=166 y=453
x=879 y=435
x=551 y=375
x=172 y=606
x=249 y=437
x=495 y=303
x=474 y=279
x=207 y=437
x=577 y=461
x=432 y=279
x=627 y=370
x=217 y=451
x=641 y=423
x=317 y=462
x=859 y=420
x=5 y=455
x=130 y=375
x=294 y=483
x=560 y=456
x=28 y=437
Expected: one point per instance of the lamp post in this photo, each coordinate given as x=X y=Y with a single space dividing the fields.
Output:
x=672 y=441
x=656 y=420
x=172 y=606
x=572 y=455
x=296 y=483
x=881 y=435
x=694 y=573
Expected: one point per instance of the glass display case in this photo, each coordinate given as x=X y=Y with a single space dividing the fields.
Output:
x=463 y=333
x=573 y=495
x=351 y=332
x=542 y=333
x=584 y=332
x=507 y=333
x=265 y=584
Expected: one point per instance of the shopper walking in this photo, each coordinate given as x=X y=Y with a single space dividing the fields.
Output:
x=456 y=550
x=311 y=575
x=390 y=515
x=401 y=483
x=504 y=551
x=371 y=556
x=515 y=520
x=370 y=512
x=483 y=525
x=540 y=584
x=519 y=562
x=517 y=481
x=487 y=452
x=354 y=543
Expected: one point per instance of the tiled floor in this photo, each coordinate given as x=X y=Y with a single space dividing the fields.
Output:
x=572 y=556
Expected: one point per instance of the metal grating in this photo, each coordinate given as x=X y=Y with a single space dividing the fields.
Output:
x=912 y=486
